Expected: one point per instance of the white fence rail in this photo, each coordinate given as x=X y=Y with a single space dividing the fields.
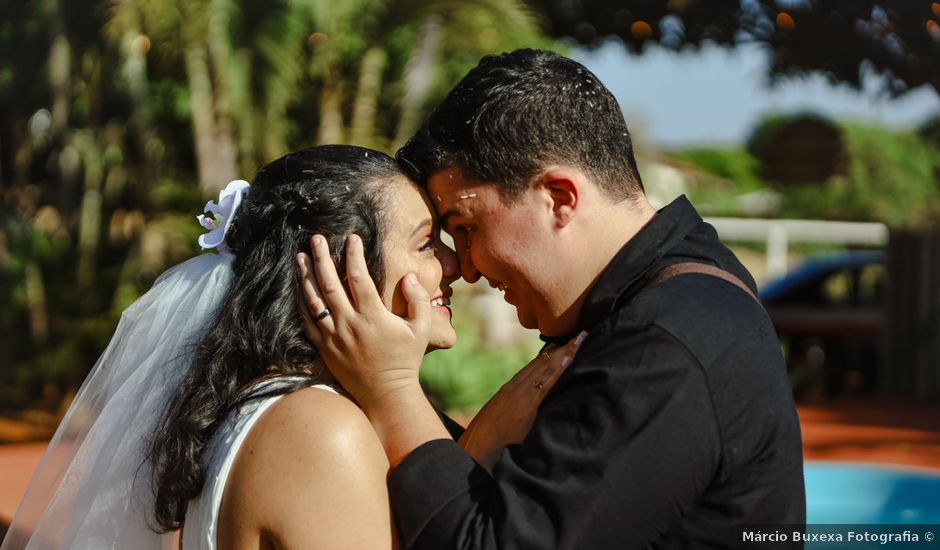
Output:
x=777 y=234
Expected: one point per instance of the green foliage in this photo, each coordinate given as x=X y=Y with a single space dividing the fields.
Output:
x=731 y=172
x=761 y=139
x=734 y=164
x=930 y=130
x=104 y=165
x=460 y=380
x=491 y=26
x=892 y=178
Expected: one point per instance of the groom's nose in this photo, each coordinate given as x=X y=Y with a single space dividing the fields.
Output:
x=450 y=263
x=468 y=269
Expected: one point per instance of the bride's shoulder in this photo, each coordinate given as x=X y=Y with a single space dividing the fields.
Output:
x=313 y=453
x=307 y=440
x=317 y=421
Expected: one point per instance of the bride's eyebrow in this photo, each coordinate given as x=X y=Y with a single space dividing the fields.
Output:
x=424 y=223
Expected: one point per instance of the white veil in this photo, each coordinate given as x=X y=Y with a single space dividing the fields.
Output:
x=92 y=489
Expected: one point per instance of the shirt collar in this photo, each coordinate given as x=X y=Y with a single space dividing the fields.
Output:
x=629 y=269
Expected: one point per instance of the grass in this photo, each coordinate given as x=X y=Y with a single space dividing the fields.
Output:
x=460 y=380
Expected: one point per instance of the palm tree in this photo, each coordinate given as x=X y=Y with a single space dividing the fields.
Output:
x=417 y=49
x=194 y=34
x=362 y=71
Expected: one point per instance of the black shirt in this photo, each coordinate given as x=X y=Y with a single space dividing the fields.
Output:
x=674 y=425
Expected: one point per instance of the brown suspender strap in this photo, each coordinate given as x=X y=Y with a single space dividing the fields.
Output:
x=705 y=269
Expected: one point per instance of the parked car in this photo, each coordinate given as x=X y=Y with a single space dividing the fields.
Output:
x=829 y=314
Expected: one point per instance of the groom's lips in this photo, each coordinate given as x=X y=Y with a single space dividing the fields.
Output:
x=502 y=287
x=498 y=285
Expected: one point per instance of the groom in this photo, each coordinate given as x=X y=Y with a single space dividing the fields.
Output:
x=673 y=427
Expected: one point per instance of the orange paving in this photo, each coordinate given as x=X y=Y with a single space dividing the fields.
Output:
x=866 y=431
x=17 y=463
x=889 y=432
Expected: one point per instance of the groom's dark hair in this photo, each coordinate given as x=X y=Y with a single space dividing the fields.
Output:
x=517 y=112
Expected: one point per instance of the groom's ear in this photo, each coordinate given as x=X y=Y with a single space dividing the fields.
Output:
x=562 y=188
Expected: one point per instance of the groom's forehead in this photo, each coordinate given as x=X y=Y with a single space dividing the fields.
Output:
x=453 y=195
x=448 y=180
x=449 y=187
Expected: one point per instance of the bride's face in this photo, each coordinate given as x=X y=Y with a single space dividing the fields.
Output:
x=412 y=244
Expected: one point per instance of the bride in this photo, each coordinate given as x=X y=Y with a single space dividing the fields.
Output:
x=209 y=412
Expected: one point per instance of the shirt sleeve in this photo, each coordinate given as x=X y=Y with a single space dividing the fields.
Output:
x=453 y=427
x=623 y=445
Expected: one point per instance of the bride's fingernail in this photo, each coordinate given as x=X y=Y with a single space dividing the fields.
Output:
x=566 y=361
x=580 y=339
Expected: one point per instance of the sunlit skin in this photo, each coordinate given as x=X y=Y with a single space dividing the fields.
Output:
x=516 y=244
x=500 y=250
x=412 y=244
x=545 y=249
x=334 y=469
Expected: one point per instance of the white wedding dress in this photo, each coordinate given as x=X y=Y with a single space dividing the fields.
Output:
x=90 y=492
x=200 y=530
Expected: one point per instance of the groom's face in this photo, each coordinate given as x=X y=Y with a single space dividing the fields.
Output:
x=497 y=239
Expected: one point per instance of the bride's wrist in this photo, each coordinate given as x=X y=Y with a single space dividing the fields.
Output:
x=389 y=397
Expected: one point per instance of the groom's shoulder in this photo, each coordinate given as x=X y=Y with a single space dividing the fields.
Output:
x=705 y=313
x=688 y=298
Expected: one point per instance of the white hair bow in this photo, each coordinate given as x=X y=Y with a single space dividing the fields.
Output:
x=230 y=199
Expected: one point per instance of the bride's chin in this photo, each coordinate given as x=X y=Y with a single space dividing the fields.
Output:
x=432 y=346
x=444 y=342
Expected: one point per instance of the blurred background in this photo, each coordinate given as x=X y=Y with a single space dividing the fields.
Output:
x=806 y=131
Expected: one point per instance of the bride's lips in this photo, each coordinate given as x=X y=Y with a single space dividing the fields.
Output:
x=441 y=303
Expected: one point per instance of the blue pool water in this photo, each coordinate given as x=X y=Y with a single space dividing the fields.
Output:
x=845 y=492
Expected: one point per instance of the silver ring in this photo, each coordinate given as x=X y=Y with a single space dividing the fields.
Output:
x=322 y=315
x=539 y=384
x=545 y=354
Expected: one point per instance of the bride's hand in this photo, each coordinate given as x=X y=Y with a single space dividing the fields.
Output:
x=507 y=418
x=371 y=351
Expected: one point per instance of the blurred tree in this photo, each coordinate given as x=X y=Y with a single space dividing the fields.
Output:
x=63 y=163
x=930 y=130
x=118 y=118
x=899 y=39
x=24 y=83
x=256 y=71
x=401 y=54
x=819 y=168
x=847 y=170
x=192 y=34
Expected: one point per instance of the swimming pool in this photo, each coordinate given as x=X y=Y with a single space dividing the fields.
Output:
x=848 y=492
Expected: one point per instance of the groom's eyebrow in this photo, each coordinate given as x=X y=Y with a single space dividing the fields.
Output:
x=445 y=217
x=451 y=211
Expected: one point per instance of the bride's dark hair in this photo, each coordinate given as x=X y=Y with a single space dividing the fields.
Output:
x=333 y=190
